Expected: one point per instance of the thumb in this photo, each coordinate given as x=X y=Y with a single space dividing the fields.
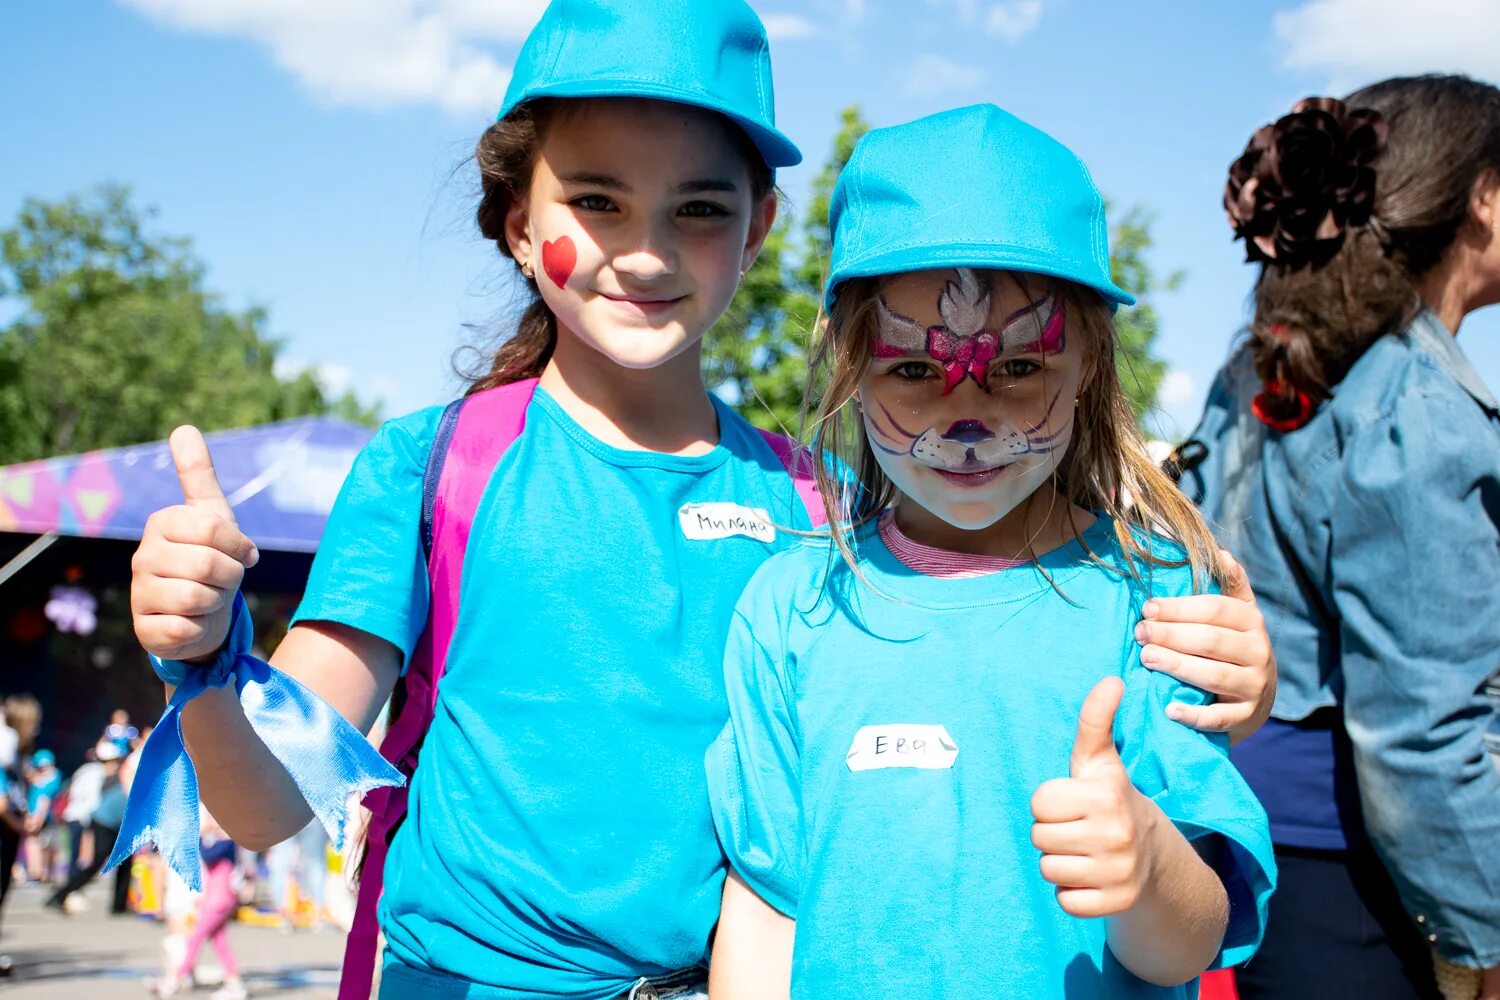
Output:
x=1236 y=580
x=195 y=471
x=1095 y=741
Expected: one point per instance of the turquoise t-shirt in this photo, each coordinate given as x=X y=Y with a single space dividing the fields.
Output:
x=559 y=840
x=875 y=778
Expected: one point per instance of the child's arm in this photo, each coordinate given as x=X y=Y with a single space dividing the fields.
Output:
x=185 y=573
x=245 y=787
x=1111 y=852
x=752 y=955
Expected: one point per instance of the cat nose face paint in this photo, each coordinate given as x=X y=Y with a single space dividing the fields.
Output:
x=968 y=403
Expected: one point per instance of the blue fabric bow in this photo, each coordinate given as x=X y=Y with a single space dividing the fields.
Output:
x=327 y=758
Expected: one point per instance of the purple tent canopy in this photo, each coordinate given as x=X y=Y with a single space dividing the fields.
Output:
x=280 y=478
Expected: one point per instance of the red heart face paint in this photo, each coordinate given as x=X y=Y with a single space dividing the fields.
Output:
x=559 y=257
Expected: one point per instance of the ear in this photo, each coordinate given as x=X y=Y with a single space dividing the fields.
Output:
x=1484 y=200
x=762 y=218
x=518 y=229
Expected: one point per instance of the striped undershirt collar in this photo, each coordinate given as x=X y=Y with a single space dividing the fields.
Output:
x=941 y=563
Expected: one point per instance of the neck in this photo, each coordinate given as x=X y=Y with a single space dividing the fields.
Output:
x=663 y=409
x=1444 y=291
x=1043 y=522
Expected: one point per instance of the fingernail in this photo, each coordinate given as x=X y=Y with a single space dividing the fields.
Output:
x=1150 y=610
x=1141 y=633
x=1148 y=656
x=1175 y=712
x=254 y=556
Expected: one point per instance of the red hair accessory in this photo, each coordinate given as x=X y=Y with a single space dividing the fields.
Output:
x=1273 y=398
x=1280 y=332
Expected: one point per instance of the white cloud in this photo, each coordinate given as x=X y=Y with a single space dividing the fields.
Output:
x=1011 y=20
x=788 y=27
x=1014 y=19
x=371 y=53
x=931 y=75
x=1178 y=388
x=335 y=379
x=1365 y=40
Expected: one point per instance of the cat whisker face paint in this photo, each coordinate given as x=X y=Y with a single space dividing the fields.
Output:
x=969 y=400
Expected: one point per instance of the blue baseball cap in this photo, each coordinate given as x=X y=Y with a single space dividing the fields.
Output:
x=43 y=758
x=712 y=54
x=972 y=187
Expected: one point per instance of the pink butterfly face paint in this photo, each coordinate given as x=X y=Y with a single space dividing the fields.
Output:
x=969 y=401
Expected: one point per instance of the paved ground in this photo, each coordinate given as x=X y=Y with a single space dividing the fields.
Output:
x=92 y=956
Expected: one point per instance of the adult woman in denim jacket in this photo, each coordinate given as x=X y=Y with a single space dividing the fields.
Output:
x=1350 y=455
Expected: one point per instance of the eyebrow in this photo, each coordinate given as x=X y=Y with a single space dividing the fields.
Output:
x=608 y=183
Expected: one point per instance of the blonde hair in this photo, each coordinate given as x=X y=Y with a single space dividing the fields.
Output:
x=1105 y=468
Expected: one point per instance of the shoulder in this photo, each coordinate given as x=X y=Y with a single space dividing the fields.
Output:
x=1165 y=570
x=1392 y=379
x=399 y=447
x=798 y=570
x=411 y=432
x=1406 y=425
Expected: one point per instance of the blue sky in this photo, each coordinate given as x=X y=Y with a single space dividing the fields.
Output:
x=314 y=150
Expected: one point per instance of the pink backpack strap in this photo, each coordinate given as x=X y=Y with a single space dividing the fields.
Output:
x=798 y=462
x=472 y=436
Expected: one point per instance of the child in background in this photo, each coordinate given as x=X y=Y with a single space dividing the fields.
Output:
x=944 y=753
x=216 y=908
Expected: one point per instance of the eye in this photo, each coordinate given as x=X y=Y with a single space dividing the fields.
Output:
x=704 y=210
x=593 y=203
x=1019 y=367
x=911 y=371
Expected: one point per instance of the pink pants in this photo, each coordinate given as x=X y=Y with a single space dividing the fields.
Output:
x=215 y=907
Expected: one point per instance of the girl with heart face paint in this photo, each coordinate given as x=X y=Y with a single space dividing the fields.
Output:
x=634 y=219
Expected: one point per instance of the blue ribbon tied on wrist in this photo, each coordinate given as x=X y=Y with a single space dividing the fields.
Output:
x=327 y=758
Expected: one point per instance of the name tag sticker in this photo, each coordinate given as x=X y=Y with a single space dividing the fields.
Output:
x=902 y=744
x=707 y=521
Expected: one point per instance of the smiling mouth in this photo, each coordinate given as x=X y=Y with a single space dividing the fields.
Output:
x=971 y=478
x=644 y=305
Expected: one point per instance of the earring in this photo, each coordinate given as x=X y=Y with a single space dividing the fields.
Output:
x=528 y=270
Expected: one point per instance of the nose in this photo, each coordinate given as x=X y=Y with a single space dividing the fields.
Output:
x=652 y=253
x=968 y=432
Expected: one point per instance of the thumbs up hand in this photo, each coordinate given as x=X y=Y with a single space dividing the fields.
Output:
x=1093 y=828
x=190 y=562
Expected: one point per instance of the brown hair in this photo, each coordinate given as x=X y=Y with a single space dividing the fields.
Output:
x=1105 y=468
x=1346 y=204
x=506 y=156
x=23 y=713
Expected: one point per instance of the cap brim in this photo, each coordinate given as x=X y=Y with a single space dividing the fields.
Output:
x=777 y=149
x=901 y=260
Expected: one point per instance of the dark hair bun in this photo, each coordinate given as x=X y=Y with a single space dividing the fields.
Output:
x=1303 y=180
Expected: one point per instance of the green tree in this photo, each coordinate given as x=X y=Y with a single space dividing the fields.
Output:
x=756 y=354
x=1141 y=371
x=112 y=339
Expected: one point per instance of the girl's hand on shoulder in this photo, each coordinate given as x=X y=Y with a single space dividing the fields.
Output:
x=190 y=562
x=1094 y=828
x=1217 y=642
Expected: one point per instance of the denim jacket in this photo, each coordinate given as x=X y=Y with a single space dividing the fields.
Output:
x=1372 y=538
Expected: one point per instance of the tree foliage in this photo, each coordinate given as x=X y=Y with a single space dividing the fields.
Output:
x=112 y=339
x=756 y=355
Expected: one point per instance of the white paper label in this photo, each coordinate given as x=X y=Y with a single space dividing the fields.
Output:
x=902 y=744
x=707 y=521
